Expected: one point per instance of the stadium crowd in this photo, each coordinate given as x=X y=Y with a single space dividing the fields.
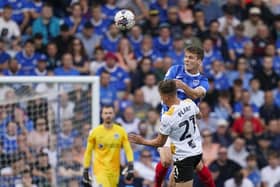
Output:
x=241 y=111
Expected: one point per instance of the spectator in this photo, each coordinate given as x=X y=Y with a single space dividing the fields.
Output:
x=210 y=55
x=265 y=14
x=135 y=37
x=270 y=50
x=41 y=67
x=238 y=11
x=63 y=39
x=247 y=115
x=67 y=69
x=256 y=95
x=119 y=77
x=9 y=139
x=210 y=149
x=261 y=39
x=75 y=21
x=217 y=38
x=222 y=135
x=40 y=47
x=145 y=168
x=129 y=121
x=26 y=179
x=66 y=137
x=108 y=93
x=267 y=76
x=253 y=63
x=78 y=150
x=238 y=180
x=177 y=53
x=80 y=59
x=40 y=134
x=185 y=12
x=153 y=122
x=89 y=39
x=99 y=22
x=273 y=134
x=13 y=68
x=69 y=170
x=41 y=171
x=152 y=23
x=139 y=105
x=150 y=90
x=125 y=55
x=46 y=24
x=223 y=108
x=53 y=60
x=174 y=21
x=223 y=168
x=228 y=22
x=250 y=138
x=19 y=12
x=164 y=41
x=8 y=27
x=212 y=94
x=253 y=22
x=208 y=121
x=237 y=151
x=98 y=60
x=110 y=38
x=109 y=9
x=65 y=107
x=271 y=174
x=36 y=7
x=236 y=42
x=207 y=6
x=241 y=72
x=189 y=36
x=147 y=50
x=269 y=110
x=27 y=58
x=199 y=22
x=218 y=73
x=251 y=171
x=245 y=100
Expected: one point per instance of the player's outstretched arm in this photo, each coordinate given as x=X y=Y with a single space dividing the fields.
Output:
x=87 y=160
x=159 y=141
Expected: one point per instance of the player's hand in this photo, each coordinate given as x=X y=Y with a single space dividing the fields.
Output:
x=135 y=138
x=86 y=179
x=179 y=84
x=130 y=172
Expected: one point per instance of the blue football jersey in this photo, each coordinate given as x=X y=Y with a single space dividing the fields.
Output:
x=193 y=81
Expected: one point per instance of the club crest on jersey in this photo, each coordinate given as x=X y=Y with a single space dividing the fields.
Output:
x=196 y=82
x=100 y=146
x=116 y=136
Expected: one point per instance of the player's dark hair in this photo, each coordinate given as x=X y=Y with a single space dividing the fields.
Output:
x=198 y=51
x=167 y=87
x=107 y=106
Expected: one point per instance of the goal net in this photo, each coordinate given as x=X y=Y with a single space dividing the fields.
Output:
x=44 y=124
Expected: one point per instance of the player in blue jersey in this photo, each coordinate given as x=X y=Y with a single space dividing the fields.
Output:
x=190 y=84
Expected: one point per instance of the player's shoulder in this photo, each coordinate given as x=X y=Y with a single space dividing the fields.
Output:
x=119 y=128
x=169 y=112
x=174 y=70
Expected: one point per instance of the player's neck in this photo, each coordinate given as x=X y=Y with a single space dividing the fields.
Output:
x=108 y=125
x=192 y=71
x=172 y=102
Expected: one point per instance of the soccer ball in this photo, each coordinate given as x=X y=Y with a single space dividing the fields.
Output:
x=124 y=19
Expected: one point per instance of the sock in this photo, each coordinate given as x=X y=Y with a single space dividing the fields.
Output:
x=206 y=177
x=160 y=174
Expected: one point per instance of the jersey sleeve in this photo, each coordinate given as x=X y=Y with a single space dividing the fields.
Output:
x=171 y=73
x=89 y=149
x=204 y=84
x=127 y=148
x=165 y=127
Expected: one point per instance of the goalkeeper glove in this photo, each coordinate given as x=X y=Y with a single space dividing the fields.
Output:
x=130 y=172
x=86 y=179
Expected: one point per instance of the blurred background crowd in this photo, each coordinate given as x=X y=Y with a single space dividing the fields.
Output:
x=43 y=137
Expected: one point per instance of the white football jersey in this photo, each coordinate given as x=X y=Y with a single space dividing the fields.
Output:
x=179 y=123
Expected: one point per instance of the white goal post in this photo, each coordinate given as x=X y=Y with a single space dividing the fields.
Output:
x=93 y=80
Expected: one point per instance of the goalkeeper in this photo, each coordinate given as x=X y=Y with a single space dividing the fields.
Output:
x=106 y=142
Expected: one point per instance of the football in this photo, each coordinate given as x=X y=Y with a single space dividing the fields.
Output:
x=124 y=19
